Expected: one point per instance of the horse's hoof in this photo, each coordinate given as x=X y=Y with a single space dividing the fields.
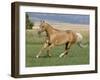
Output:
x=60 y=56
x=49 y=55
x=37 y=56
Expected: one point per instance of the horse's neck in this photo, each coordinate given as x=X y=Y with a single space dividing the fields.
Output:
x=50 y=30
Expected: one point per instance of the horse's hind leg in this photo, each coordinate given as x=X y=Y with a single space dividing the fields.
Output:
x=62 y=54
x=67 y=47
x=44 y=47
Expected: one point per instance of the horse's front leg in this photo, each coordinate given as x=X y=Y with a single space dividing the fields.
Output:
x=48 y=49
x=44 y=47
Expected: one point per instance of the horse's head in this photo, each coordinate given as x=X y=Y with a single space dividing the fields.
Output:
x=42 y=27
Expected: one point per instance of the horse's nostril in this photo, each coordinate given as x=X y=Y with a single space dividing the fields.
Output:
x=39 y=33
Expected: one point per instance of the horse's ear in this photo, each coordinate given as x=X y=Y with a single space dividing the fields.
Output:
x=42 y=21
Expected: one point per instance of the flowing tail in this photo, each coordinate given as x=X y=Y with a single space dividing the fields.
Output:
x=79 y=41
x=83 y=45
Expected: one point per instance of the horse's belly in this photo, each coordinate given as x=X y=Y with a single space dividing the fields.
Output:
x=60 y=40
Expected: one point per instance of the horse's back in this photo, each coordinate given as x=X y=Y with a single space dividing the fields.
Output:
x=61 y=37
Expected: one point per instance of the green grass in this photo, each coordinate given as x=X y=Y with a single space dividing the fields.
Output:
x=76 y=56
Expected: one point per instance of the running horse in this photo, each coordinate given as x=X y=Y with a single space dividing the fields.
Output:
x=56 y=37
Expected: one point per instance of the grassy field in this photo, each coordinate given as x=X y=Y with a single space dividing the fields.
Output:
x=76 y=56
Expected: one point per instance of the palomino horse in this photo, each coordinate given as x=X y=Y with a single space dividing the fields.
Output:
x=57 y=37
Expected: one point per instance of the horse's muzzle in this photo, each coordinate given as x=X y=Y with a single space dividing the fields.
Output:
x=39 y=32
